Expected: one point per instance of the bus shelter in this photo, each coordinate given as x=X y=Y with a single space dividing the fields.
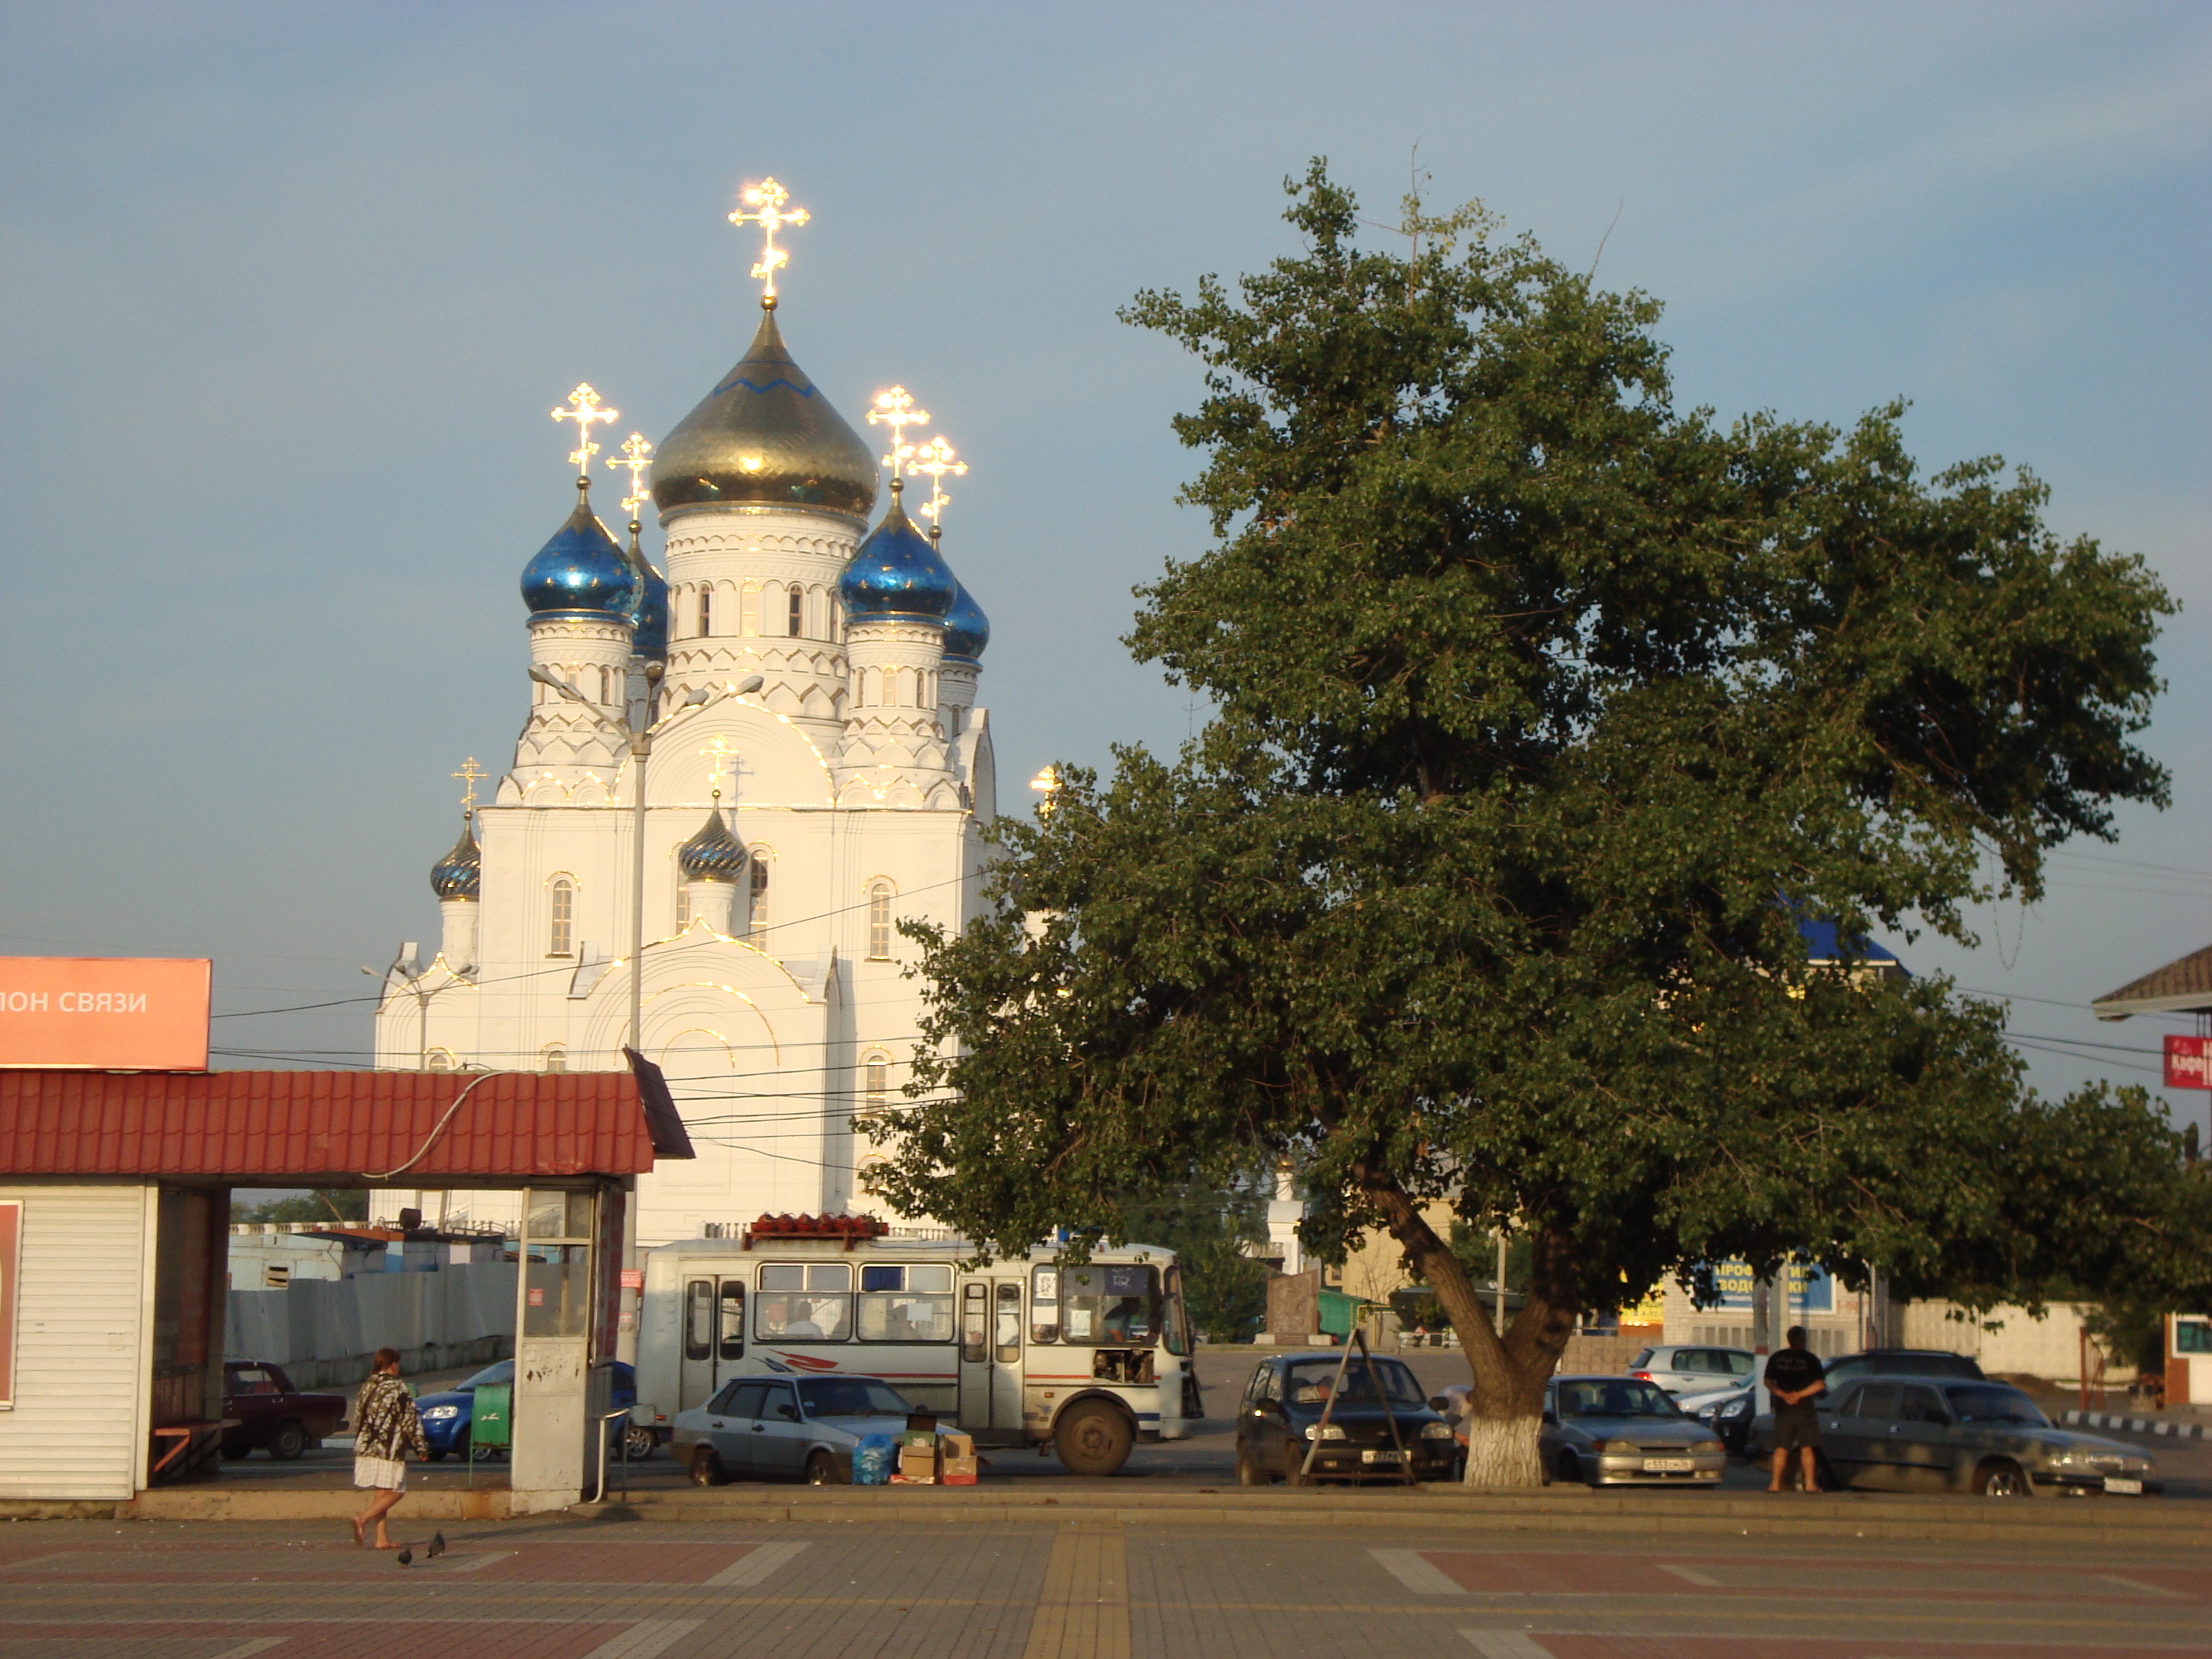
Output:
x=115 y=1194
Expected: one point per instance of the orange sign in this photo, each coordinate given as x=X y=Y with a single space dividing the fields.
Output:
x=105 y=1013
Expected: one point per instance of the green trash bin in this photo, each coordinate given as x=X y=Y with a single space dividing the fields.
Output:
x=491 y=1419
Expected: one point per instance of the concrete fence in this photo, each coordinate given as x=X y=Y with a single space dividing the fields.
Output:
x=2049 y=1347
x=323 y=1331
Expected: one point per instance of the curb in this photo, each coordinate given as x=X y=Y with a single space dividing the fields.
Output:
x=2160 y=1426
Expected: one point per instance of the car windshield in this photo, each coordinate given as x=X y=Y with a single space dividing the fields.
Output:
x=1990 y=1403
x=491 y=1376
x=1607 y=1397
x=1310 y=1382
x=851 y=1396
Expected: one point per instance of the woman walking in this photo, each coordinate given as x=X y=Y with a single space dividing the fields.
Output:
x=386 y=1431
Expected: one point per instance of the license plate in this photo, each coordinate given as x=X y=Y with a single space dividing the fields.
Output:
x=1668 y=1464
x=2123 y=1485
x=1382 y=1457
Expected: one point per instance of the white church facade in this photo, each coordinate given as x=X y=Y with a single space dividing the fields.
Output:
x=818 y=771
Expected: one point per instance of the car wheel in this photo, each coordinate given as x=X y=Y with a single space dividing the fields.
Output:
x=289 y=1440
x=482 y=1454
x=1571 y=1468
x=1294 y=1466
x=2001 y=1480
x=435 y=1455
x=1092 y=1439
x=822 y=1471
x=707 y=1468
x=638 y=1442
x=1249 y=1473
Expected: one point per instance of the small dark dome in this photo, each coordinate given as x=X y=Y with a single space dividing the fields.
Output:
x=459 y=874
x=581 y=570
x=713 y=854
x=896 y=574
x=765 y=436
x=967 y=630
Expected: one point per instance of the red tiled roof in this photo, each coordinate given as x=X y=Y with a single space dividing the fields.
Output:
x=2182 y=986
x=338 y=1124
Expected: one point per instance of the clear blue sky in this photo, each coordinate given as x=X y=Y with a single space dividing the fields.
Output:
x=286 y=292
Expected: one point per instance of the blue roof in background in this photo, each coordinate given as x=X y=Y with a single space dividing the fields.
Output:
x=1819 y=938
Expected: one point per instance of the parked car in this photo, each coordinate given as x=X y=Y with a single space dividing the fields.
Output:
x=447 y=1415
x=1732 y=1411
x=1915 y=1434
x=1686 y=1368
x=270 y=1412
x=1279 y=1419
x=776 y=1428
x=1614 y=1430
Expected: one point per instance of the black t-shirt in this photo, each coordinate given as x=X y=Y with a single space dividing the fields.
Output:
x=1791 y=1370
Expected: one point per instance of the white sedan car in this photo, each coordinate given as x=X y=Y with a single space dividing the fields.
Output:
x=779 y=1428
x=1693 y=1367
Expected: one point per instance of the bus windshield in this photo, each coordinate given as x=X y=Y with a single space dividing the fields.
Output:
x=1111 y=1306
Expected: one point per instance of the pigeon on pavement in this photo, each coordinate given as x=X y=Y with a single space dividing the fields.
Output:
x=437 y=1545
x=406 y=1556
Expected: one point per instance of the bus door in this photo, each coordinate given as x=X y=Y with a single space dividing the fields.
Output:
x=714 y=1337
x=991 y=1355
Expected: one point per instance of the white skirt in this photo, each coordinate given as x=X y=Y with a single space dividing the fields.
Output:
x=389 y=1473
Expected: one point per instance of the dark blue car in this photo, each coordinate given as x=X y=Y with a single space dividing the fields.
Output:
x=445 y=1416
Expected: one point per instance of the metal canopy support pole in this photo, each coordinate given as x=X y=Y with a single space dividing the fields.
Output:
x=1327 y=1406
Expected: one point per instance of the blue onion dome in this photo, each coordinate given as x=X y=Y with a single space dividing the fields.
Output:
x=895 y=575
x=967 y=630
x=648 y=621
x=581 y=570
x=765 y=436
x=459 y=874
x=713 y=854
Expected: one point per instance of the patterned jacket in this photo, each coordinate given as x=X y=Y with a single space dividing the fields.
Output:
x=384 y=1423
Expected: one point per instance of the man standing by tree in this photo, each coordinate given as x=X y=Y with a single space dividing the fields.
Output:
x=1796 y=1378
x=1549 y=717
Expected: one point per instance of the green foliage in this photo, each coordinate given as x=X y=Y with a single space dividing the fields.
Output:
x=2132 y=1333
x=1545 y=712
x=1206 y=1226
x=350 y=1205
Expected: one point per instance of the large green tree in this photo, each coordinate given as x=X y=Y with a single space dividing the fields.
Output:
x=1547 y=711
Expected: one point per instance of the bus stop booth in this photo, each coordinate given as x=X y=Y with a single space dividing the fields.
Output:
x=115 y=1194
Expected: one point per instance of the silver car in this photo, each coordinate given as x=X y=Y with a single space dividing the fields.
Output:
x=778 y=1428
x=1920 y=1434
x=1683 y=1368
x=1614 y=1430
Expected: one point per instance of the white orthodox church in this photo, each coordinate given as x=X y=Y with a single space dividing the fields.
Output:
x=818 y=770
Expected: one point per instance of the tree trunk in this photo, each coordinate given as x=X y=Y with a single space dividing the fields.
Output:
x=1508 y=1376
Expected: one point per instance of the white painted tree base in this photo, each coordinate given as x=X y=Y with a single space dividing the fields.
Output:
x=1502 y=1452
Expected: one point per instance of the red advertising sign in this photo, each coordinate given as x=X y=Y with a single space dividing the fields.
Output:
x=12 y=1257
x=633 y=1278
x=105 y=1013
x=2189 y=1062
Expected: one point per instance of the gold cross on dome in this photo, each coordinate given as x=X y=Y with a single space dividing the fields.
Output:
x=722 y=763
x=637 y=456
x=895 y=409
x=470 y=774
x=767 y=198
x=935 y=458
x=583 y=411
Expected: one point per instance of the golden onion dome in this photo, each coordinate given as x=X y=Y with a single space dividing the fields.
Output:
x=765 y=436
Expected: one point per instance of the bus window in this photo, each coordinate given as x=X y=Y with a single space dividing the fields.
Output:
x=1111 y=1306
x=733 y=1319
x=974 y=1335
x=699 y=1319
x=899 y=1304
x=1044 y=1305
x=809 y=1302
x=1008 y=1336
x=1178 y=1325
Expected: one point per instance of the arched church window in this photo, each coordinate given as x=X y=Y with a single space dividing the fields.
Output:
x=438 y=1060
x=875 y=1082
x=757 y=919
x=879 y=921
x=561 y=930
x=706 y=611
x=798 y=611
x=683 y=903
x=553 y=1059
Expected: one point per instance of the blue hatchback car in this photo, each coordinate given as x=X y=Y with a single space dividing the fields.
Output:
x=445 y=1416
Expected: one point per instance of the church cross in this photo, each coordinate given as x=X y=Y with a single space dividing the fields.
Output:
x=722 y=764
x=895 y=409
x=584 y=411
x=767 y=196
x=470 y=774
x=637 y=456
x=935 y=458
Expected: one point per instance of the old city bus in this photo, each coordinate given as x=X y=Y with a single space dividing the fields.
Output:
x=1028 y=1352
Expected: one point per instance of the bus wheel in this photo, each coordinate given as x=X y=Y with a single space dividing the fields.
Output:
x=1092 y=1439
